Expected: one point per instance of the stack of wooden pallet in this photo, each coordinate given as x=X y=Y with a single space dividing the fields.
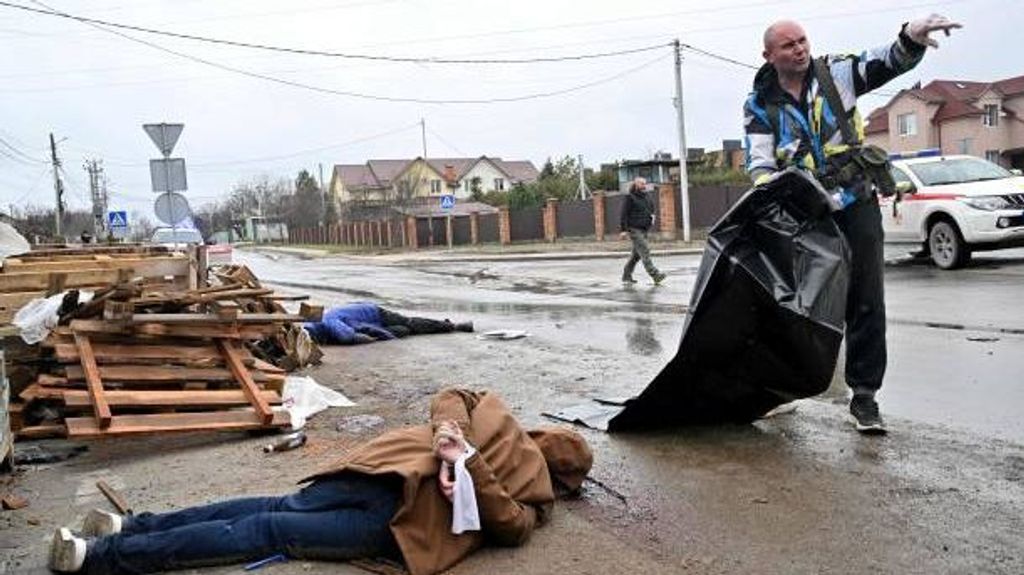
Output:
x=135 y=360
x=40 y=272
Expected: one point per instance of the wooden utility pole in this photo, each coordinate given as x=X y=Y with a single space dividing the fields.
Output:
x=58 y=188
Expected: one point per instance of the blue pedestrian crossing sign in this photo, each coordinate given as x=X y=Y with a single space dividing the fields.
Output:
x=448 y=202
x=117 y=220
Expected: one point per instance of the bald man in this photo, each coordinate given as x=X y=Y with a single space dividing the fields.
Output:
x=803 y=112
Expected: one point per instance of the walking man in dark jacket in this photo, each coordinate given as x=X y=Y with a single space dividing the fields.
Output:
x=803 y=112
x=635 y=220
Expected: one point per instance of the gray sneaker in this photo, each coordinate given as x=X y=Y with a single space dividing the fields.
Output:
x=866 y=418
x=67 y=552
x=659 y=278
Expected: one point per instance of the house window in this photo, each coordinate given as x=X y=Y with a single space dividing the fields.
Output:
x=991 y=117
x=906 y=124
x=964 y=145
x=435 y=187
x=499 y=184
x=467 y=186
x=992 y=156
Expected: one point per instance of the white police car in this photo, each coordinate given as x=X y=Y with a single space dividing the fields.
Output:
x=952 y=206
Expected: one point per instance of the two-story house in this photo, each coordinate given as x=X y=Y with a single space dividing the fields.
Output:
x=984 y=119
x=397 y=180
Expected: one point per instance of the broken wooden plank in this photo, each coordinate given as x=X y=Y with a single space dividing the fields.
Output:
x=92 y=378
x=235 y=420
x=108 y=353
x=156 y=373
x=245 y=379
x=92 y=326
x=215 y=319
x=134 y=398
x=114 y=497
x=43 y=392
x=39 y=281
x=311 y=312
x=45 y=431
x=169 y=265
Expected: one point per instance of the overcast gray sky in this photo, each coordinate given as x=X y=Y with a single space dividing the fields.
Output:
x=94 y=89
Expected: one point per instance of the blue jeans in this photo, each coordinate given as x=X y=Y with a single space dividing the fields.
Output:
x=339 y=518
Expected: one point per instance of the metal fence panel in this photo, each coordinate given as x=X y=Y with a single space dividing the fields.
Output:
x=527 y=224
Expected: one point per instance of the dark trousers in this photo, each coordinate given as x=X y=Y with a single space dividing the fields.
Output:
x=339 y=518
x=641 y=253
x=402 y=326
x=861 y=223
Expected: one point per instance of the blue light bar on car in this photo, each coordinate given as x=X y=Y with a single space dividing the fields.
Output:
x=927 y=152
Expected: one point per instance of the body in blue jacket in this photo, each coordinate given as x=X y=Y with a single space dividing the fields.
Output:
x=366 y=322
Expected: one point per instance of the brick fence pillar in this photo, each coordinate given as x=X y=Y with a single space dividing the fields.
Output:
x=599 y=216
x=551 y=219
x=474 y=228
x=410 y=233
x=667 y=200
x=504 y=226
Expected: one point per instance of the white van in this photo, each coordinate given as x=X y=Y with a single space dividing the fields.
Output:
x=953 y=206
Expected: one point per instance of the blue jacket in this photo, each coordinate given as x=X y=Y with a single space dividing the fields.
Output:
x=809 y=129
x=341 y=324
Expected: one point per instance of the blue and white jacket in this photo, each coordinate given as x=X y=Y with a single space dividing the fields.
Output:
x=809 y=131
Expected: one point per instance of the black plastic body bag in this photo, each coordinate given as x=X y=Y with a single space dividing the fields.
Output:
x=765 y=320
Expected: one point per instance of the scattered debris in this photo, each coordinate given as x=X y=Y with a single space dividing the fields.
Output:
x=286 y=443
x=10 y=502
x=503 y=334
x=983 y=339
x=114 y=497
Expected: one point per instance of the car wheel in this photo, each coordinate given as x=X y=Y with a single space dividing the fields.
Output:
x=947 y=246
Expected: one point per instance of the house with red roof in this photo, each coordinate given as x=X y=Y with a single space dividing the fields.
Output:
x=984 y=119
x=390 y=180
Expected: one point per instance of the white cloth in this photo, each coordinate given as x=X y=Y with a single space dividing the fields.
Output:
x=303 y=397
x=38 y=317
x=465 y=514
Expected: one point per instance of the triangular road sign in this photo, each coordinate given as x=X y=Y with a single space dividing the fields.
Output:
x=164 y=136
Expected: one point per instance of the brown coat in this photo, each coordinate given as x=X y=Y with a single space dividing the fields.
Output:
x=513 y=487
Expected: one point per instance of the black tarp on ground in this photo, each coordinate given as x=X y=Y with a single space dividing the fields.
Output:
x=766 y=316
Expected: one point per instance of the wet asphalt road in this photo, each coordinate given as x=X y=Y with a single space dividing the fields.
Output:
x=956 y=339
x=795 y=494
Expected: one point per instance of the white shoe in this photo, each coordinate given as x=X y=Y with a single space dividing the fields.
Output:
x=67 y=552
x=99 y=523
x=784 y=408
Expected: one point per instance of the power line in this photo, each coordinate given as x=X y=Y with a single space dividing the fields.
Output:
x=25 y=158
x=366 y=96
x=308 y=151
x=215 y=163
x=310 y=52
x=445 y=142
x=719 y=57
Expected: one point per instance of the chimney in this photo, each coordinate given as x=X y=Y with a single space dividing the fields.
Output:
x=449 y=174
